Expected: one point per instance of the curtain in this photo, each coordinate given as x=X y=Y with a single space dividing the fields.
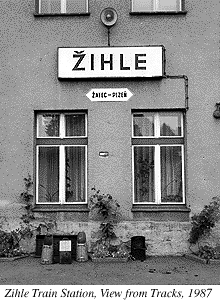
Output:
x=48 y=125
x=75 y=125
x=144 y=174
x=48 y=187
x=143 y=5
x=171 y=174
x=75 y=173
x=50 y=6
x=76 y=6
x=169 y=5
x=149 y=5
x=143 y=124
x=170 y=125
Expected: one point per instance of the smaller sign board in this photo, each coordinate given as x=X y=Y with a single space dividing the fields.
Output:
x=65 y=245
x=109 y=94
x=103 y=154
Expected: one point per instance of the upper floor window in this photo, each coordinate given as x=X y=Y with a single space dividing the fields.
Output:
x=61 y=6
x=156 y=5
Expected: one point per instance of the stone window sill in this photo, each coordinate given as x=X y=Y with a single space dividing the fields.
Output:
x=61 y=208
x=183 y=12
x=159 y=208
x=61 y=14
x=161 y=213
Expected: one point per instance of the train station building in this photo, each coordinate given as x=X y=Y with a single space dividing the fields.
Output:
x=119 y=95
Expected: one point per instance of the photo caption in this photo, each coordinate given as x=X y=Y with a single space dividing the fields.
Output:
x=104 y=293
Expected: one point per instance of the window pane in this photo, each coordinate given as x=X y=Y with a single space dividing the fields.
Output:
x=143 y=5
x=171 y=174
x=170 y=124
x=75 y=173
x=169 y=5
x=48 y=125
x=45 y=6
x=76 y=6
x=51 y=6
x=48 y=189
x=143 y=124
x=144 y=174
x=75 y=125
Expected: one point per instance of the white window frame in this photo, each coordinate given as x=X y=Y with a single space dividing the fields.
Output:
x=62 y=171
x=157 y=164
x=62 y=125
x=157 y=126
x=157 y=175
x=155 y=6
x=63 y=6
x=62 y=158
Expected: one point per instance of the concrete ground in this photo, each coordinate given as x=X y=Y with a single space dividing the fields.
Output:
x=154 y=270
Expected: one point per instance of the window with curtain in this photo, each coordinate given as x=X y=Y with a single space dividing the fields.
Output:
x=156 y=5
x=61 y=6
x=158 y=157
x=61 y=157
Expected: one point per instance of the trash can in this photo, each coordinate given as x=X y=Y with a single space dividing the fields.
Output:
x=65 y=251
x=47 y=250
x=138 y=248
x=81 y=248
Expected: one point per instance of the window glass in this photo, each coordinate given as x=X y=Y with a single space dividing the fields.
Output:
x=171 y=174
x=144 y=174
x=61 y=168
x=76 y=6
x=158 y=174
x=75 y=125
x=156 y=5
x=75 y=173
x=51 y=6
x=143 y=5
x=48 y=125
x=143 y=124
x=61 y=6
x=168 y=5
x=48 y=186
x=170 y=124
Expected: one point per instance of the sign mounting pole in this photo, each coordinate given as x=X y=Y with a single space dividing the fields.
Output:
x=109 y=17
x=108 y=36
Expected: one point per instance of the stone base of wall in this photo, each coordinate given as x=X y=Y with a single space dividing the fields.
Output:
x=162 y=238
x=166 y=238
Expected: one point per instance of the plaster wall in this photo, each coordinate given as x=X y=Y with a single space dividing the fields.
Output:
x=28 y=82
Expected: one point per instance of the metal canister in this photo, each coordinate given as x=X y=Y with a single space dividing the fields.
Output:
x=48 y=239
x=82 y=252
x=81 y=248
x=81 y=237
x=47 y=254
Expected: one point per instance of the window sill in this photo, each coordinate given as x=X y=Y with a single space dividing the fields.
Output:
x=161 y=213
x=183 y=12
x=159 y=208
x=61 y=14
x=61 y=208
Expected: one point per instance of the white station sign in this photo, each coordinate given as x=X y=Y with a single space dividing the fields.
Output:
x=110 y=62
x=109 y=94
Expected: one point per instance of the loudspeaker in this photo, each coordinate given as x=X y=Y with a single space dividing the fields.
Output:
x=109 y=17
